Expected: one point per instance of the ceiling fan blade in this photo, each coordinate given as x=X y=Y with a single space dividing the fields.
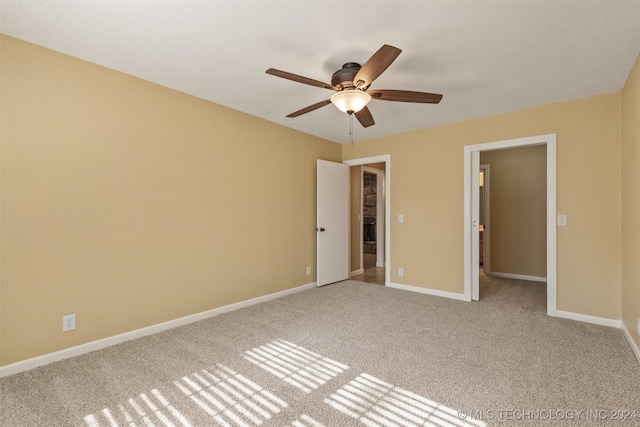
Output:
x=365 y=118
x=375 y=66
x=405 y=96
x=310 y=108
x=299 y=79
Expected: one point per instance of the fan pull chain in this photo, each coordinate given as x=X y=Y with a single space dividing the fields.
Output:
x=351 y=127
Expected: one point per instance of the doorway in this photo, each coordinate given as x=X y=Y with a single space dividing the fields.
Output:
x=471 y=213
x=380 y=166
x=373 y=195
x=367 y=223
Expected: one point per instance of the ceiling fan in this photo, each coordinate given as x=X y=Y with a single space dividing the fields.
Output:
x=351 y=84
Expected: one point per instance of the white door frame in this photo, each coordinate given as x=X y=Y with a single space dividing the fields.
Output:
x=380 y=231
x=386 y=159
x=471 y=212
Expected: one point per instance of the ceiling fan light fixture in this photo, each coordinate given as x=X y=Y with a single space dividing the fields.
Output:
x=351 y=100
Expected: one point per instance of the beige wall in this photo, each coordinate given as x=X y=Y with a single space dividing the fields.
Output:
x=428 y=190
x=631 y=201
x=379 y=166
x=130 y=204
x=518 y=210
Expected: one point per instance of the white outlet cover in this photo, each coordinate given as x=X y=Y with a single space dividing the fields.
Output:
x=401 y=272
x=68 y=322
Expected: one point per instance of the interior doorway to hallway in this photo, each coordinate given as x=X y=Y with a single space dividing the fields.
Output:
x=471 y=213
x=369 y=219
x=373 y=212
x=368 y=223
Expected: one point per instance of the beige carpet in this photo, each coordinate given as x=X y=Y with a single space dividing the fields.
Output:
x=347 y=354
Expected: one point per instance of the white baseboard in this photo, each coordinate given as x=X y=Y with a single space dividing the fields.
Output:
x=357 y=272
x=428 y=291
x=516 y=276
x=602 y=321
x=632 y=343
x=46 y=359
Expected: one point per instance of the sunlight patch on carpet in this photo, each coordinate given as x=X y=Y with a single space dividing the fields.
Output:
x=229 y=397
x=220 y=395
x=147 y=409
x=377 y=403
x=306 y=421
x=295 y=365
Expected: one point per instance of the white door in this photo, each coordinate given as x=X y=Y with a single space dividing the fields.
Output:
x=332 y=227
x=475 y=223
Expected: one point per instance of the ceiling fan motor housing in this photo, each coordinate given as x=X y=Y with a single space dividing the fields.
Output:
x=343 y=78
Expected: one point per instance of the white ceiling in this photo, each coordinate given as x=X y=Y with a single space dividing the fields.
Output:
x=485 y=57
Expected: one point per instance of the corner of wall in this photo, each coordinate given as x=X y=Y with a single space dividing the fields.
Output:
x=630 y=203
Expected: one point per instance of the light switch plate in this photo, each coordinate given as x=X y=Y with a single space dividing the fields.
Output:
x=562 y=220
x=400 y=219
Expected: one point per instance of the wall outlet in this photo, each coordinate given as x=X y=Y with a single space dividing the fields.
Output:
x=68 y=322
x=308 y=271
x=400 y=272
x=638 y=326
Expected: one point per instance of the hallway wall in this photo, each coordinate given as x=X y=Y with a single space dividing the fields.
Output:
x=518 y=210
